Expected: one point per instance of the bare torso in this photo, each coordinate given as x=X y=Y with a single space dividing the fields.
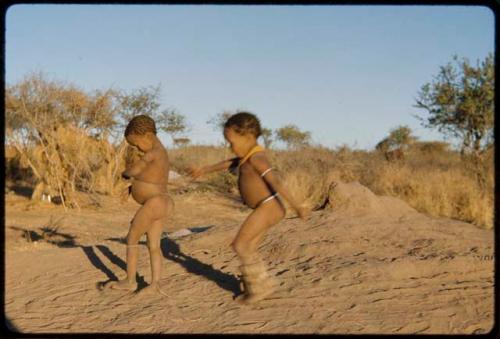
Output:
x=253 y=188
x=152 y=181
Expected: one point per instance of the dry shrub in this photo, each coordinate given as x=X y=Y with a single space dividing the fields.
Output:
x=312 y=189
x=70 y=161
x=305 y=172
x=52 y=125
x=91 y=164
x=448 y=193
x=434 y=180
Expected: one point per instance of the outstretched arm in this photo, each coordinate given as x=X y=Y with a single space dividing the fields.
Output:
x=220 y=166
x=260 y=163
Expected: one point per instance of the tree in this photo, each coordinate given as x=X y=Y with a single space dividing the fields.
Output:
x=402 y=137
x=292 y=136
x=172 y=123
x=384 y=145
x=181 y=142
x=394 y=146
x=50 y=123
x=460 y=103
x=267 y=136
x=140 y=101
x=62 y=133
x=219 y=120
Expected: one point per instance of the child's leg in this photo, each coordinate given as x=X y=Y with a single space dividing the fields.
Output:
x=140 y=224
x=254 y=229
x=154 y=237
x=257 y=283
x=165 y=204
x=155 y=257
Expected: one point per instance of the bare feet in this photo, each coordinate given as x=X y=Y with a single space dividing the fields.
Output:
x=120 y=285
x=152 y=289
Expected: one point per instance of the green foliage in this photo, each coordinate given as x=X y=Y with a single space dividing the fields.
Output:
x=460 y=102
x=292 y=136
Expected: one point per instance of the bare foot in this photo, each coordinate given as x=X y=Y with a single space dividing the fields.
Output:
x=267 y=288
x=245 y=298
x=151 y=289
x=121 y=285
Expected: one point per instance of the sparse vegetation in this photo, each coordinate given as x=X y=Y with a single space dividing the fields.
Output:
x=62 y=139
x=434 y=179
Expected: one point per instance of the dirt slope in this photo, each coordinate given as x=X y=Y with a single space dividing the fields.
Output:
x=366 y=264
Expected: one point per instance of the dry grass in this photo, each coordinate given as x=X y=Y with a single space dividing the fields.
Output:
x=434 y=181
x=449 y=193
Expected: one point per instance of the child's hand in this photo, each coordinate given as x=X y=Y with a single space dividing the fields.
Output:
x=195 y=172
x=303 y=212
x=124 y=195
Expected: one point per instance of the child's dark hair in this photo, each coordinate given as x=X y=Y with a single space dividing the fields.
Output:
x=244 y=123
x=140 y=124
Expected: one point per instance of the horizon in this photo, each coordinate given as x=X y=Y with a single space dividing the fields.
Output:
x=346 y=74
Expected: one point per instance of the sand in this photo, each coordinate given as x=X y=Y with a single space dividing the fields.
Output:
x=364 y=264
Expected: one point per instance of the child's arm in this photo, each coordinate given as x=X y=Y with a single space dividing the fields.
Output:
x=261 y=164
x=137 y=167
x=220 y=166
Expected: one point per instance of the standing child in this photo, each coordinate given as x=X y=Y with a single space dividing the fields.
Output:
x=261 y=189
x=149 y=188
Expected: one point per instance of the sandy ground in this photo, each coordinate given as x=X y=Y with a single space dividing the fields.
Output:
x=365 y=264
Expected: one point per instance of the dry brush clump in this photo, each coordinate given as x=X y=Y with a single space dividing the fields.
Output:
x=309 y=172
x=448 y=193
x=439 y=183
x=62 y=134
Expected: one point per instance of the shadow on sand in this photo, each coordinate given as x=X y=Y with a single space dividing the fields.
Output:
x=169 y=248
x=97 y=262
x=172 y=252
x=48 y=234
x=53 y=236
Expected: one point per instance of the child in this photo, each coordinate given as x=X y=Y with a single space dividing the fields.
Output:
x=149 y=188
x=261 y=190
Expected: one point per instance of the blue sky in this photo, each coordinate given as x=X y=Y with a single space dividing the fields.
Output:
x=347 y=74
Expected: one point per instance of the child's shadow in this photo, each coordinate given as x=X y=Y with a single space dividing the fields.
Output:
x=171 y=251
x=94 y=259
